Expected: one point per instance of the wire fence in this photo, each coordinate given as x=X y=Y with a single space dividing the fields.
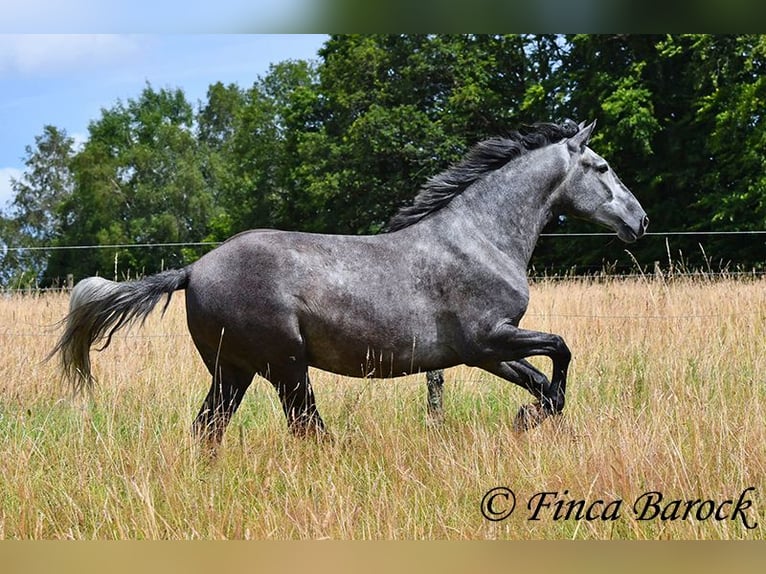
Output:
x=31 y=331
x=594 y=274
x=110 y=246
x=47 y=331
x=216 y=243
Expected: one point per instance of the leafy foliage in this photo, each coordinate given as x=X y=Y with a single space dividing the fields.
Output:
x=35 y=219
x=339 y=144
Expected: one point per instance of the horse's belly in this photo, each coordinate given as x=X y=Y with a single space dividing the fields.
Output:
x=373 y=363
x=368 y=357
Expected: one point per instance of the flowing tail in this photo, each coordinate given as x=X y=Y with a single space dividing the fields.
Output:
x=98 y=308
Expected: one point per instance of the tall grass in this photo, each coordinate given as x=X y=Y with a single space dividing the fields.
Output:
x=666 y=393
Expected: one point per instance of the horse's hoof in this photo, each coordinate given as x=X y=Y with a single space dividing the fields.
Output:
x=311 y=431
x=528 y=417
x=435 y=419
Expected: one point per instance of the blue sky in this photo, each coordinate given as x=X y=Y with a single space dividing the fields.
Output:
x=152 y=16
x=66 y=79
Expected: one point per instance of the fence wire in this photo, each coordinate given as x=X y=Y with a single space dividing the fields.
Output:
x=534 y=275
x=5 y=248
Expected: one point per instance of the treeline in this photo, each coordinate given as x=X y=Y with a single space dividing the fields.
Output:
x=338 y=144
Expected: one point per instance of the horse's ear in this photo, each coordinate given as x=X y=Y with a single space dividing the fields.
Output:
x=578 y=141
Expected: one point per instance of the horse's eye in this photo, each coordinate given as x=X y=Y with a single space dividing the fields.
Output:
x=602 y=168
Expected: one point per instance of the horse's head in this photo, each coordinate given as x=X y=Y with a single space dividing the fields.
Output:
x=593 y=191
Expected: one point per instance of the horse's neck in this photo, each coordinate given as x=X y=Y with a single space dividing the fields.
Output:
x=511 y=206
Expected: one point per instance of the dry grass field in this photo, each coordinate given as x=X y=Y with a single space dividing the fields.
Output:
x=667 y=393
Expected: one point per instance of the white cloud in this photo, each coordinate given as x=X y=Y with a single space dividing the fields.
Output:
x=80 y=139
x=34 y=54
x=6 y=193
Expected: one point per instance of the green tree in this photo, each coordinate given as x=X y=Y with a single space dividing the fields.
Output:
x=680 y=118
x=35 y=217
x=138 y=179
x=338 y=145
x=252 y=136
x=729 y=107
x=395 y=110
x=217 y=121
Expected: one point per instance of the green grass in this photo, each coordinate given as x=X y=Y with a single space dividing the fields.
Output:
x=666 y=393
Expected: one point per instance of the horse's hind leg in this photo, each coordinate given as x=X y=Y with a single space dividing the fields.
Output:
x=223 y=399
x=297 y=397
x=435 y=383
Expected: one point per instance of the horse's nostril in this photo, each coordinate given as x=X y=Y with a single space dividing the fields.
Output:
x=645 y=222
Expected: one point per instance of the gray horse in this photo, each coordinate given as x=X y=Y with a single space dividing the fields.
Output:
x=446 y=286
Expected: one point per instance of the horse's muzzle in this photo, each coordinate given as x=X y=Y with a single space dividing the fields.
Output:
x=628 y=234
x=644 y=225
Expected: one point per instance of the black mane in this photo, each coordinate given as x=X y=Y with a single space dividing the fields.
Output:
x=483 y=158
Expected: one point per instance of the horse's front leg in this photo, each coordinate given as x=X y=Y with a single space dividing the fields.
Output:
x=504 y=351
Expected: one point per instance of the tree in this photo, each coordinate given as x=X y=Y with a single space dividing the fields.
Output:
x=395 y=110
x=252 y=138
x=729 y=107
x=338 y=145
x=35 y=217
x=138 y=180
x=680 y=117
